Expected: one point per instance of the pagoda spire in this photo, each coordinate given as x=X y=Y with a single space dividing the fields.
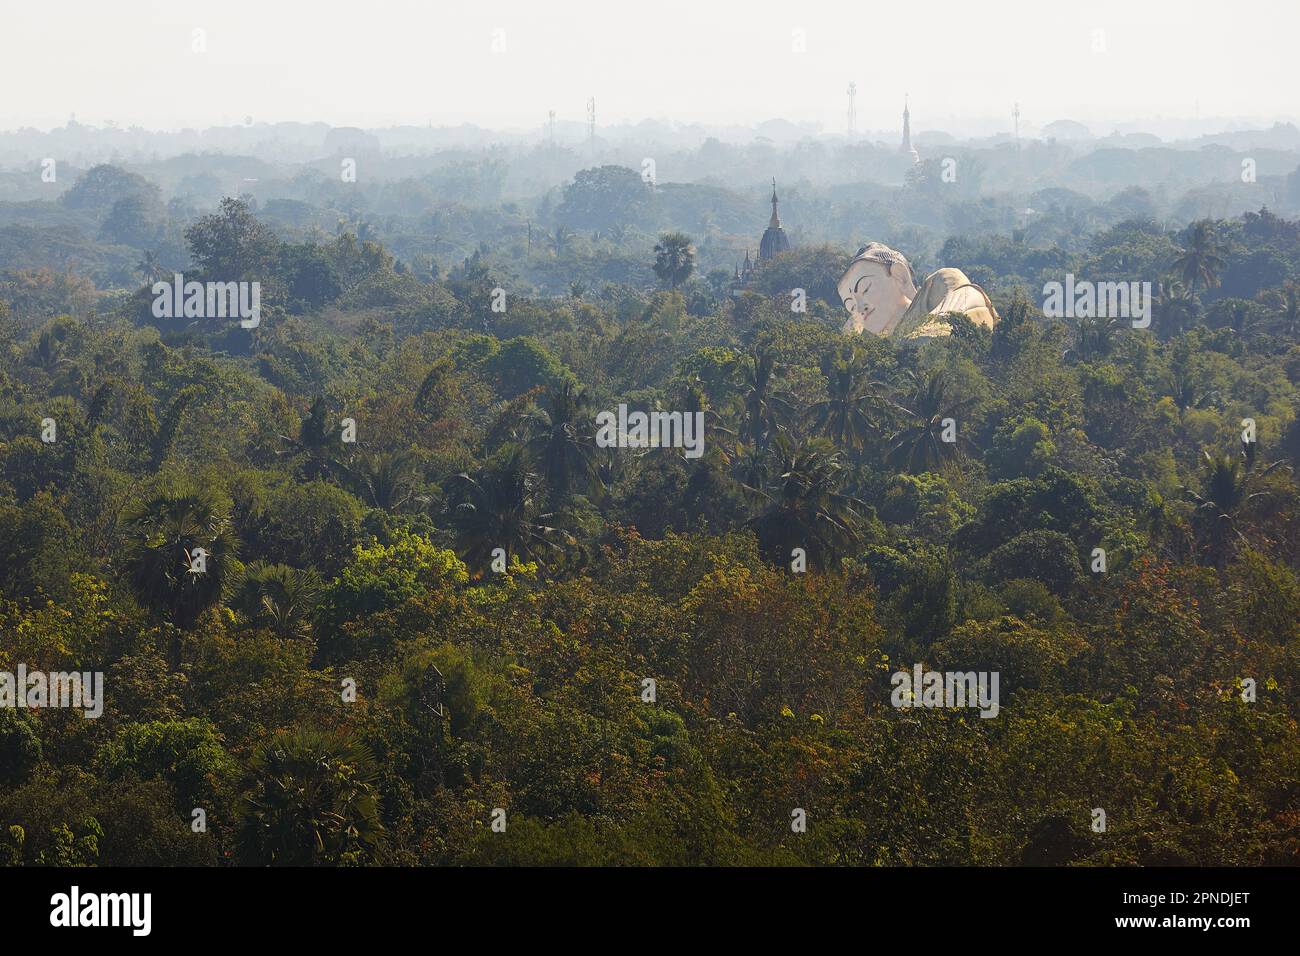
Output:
x=775 y=221
x=907 y=148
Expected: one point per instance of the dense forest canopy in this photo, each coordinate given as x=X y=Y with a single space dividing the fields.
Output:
x=428 y=599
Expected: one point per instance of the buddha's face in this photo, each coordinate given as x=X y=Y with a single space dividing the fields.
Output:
x=873 y=297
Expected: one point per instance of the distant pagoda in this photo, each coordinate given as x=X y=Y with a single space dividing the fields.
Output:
x=773 y=243
x=907 y=149
x=774 y=239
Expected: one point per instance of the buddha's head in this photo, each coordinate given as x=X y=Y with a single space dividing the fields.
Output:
x=876 y=289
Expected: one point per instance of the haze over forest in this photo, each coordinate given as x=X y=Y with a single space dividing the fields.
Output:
x=327 y=355
x=417 y=188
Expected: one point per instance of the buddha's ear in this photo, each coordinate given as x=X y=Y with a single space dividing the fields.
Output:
x=927 y=292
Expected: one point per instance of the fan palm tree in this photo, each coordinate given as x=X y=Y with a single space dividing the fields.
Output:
x=1228 y=484
x=164 y=564
x=1200 y=262
x=500 y=508
x=312 y=800
x=802 y=503
x=561 y=440
x=674 y=258
x=278 y=597
x=919 y=445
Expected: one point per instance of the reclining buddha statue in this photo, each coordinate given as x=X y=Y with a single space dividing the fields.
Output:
x=880 y=296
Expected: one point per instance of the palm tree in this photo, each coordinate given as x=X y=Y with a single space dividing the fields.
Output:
x=561 y=241
x=803 y=506
x=278 y=597
x=1093 y=337
x=317 y=441
x=845 y=417
x=312 y=800
x=674 y=258
x=919 y=446
x=560 y=439
x=149 y=268
x=766 y=406
x=751 y=465
x=512 y=421
x=1228 y=485
x=164 y=436
x=388 y=480
x=164 y=564
x=1286 y=303
x=152 y=439
x=1244 y=317
x=500 y=509
x=437 y=393
x=1200 y=263
x=1169 y=535
x=1187 y=382
x=693 y=401
x=49 y=355
x=1173 y=305
x=102 y=401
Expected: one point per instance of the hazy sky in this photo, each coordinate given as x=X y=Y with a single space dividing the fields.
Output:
x=381 y=62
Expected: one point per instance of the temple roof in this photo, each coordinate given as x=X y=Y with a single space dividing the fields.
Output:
x=774 y=238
